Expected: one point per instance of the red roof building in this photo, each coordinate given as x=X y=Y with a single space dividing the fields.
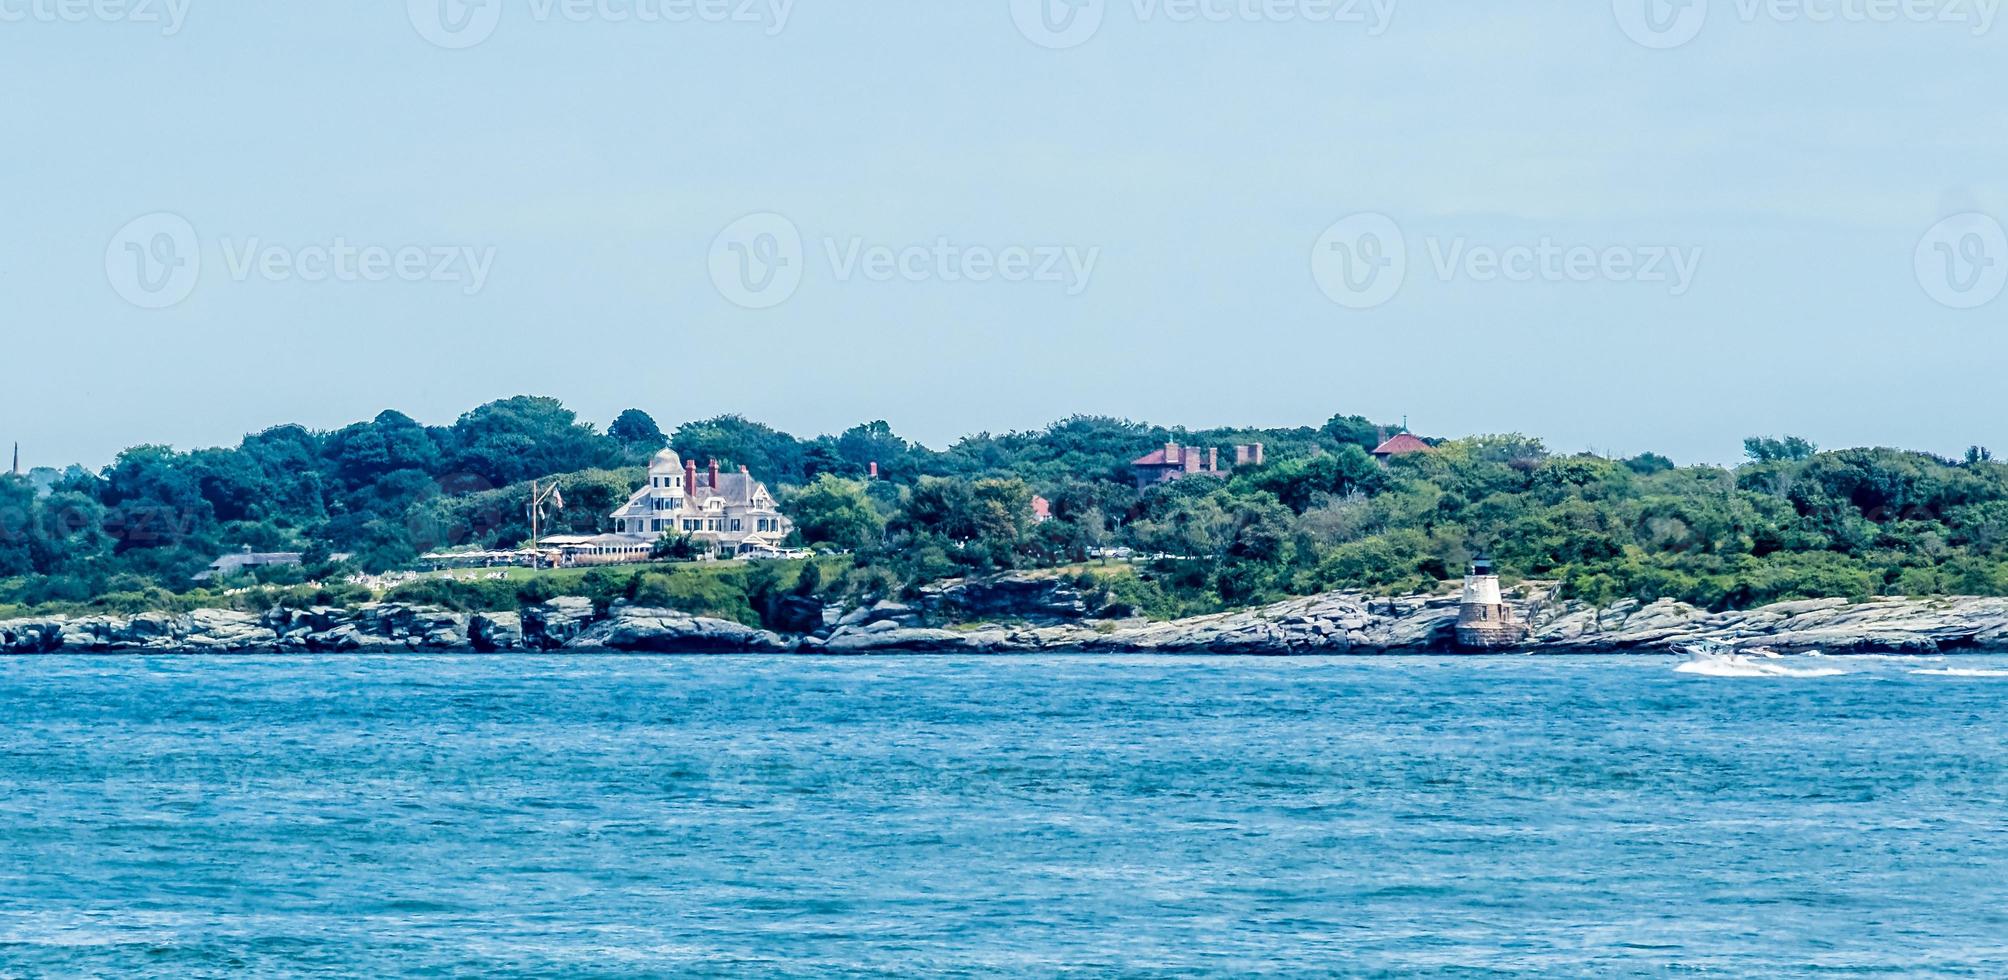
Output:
x=1042 y=510
x=1402 y=444
x=1175 y=462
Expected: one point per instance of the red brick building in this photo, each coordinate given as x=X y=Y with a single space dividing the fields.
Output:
x=1175 y=462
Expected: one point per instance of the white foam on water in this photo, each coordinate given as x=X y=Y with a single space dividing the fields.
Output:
x=1807 y=672
x=1737 y=666
x=1962 y=672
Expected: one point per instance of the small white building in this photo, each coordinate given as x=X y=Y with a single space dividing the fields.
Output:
x=729 y=514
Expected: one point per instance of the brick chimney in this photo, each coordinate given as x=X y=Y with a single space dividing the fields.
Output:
x=1258 y=454
x=1213 y=459
x=690 y=476
x=714 y=474
x=875 y=471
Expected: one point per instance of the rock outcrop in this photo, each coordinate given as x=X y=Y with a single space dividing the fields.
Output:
x=1355 y=623
x=495 y=632
x=555 y=623
x=1335 y=623
x=1925 y=625
x=636 y=630
x=1018 y=597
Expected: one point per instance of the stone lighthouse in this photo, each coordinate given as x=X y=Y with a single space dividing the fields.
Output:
x=1484 y=621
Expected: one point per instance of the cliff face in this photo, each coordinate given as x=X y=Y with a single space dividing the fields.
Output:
x=1335 y=623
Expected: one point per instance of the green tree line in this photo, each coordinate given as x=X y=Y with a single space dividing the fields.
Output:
x=1320 y=513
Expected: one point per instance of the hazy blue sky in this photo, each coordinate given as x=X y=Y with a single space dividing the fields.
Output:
x=1190 y=168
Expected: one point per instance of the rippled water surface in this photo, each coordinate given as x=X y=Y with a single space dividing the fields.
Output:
x=750 y=816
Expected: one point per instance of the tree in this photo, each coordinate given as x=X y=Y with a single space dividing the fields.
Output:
x=676 y=547
x=810 y=581
x=392 y=441
x=1647 y=464
x=1356 y=430
x=1302 y=482
x=1184 y=527
x=837 y=512
x=1791 y=449
x=981 y=525
x=522 y=438
x=875 y=442
x=636 y=430
x=736 y=441
x=18 y=507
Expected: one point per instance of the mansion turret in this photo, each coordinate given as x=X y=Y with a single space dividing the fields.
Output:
x=728 y=513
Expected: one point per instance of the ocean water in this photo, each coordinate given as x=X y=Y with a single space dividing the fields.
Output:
x=621 y=816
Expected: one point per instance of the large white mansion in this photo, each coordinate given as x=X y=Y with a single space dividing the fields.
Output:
x=729 y=514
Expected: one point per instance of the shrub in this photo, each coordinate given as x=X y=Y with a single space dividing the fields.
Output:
x=489 y=596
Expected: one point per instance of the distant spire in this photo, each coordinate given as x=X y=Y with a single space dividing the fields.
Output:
x=17 y=459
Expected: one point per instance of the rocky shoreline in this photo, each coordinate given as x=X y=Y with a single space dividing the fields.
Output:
x=1334 y=623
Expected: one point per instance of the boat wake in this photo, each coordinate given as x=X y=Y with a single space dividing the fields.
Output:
x=1725 y=662
x=1962 y=672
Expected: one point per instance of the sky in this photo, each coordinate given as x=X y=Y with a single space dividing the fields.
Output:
x=1620 y=225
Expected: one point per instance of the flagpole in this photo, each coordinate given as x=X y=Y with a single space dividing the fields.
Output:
x=537 y=497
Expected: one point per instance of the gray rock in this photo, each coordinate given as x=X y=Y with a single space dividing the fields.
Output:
x=992 y=639
x=19 y=636
x=225 y=631
x=638 y=630
x=495 y=632
x=1040 y=598
x=556 y=623
x=796 y=614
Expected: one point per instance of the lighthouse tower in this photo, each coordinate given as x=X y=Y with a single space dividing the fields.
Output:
x=1484 y=621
